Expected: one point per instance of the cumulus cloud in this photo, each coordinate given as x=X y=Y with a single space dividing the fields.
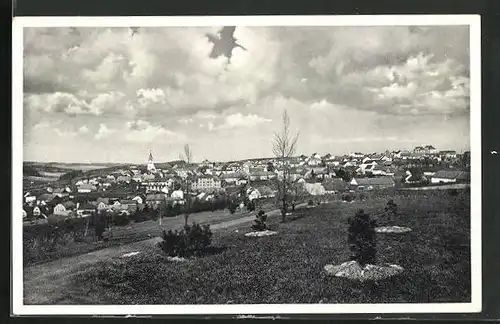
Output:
x=163 y=84
x=240 y=120
x=83 y=129
x=141 y=131
x=104 y=132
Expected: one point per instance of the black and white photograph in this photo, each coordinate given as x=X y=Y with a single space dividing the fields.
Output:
x=246 y=165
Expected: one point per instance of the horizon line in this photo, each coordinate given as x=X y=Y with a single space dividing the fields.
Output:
x=460 y=151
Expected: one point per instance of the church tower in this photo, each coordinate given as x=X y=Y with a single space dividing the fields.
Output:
x=151 y=164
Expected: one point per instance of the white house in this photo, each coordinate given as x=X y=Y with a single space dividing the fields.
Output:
x=357 y=155
x=206 y=182
x=85 y=188
x=253 y=194
x=314 y=160
x=101 y=206
x=177 y=194
x=367 y=165
x=450 y=176
x=386 y=158
x=59 y=209
x=29 y=198
x=36 y=211
x=138 y=199
x=233 y=177
x=315 y=189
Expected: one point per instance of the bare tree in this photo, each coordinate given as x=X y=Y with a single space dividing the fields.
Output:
x=284 y=146
x=187 y=156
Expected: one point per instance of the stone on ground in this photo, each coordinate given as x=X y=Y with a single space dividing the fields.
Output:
x=176 y=258
x=392 y=229
x=261 y=233
x=353 y=270
x=126 y=255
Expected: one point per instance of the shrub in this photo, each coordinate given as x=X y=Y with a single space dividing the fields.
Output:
x=232 y=207
x=391 y=209
x=142 y=215
x=310 y=202
x=190 y=240
x=361 y=238
x=260 y=221
x=347 y=197
x=251 y=206
x=121 y=219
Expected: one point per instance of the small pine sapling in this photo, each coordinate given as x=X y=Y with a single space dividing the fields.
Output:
x=260 y=221
x=391 y=210
x=361 y=238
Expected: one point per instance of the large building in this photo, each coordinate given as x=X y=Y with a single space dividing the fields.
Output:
x=206 y=183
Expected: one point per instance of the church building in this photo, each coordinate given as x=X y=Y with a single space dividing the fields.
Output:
x=151 y=164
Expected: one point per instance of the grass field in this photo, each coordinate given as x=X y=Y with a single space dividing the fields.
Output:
x=133 y=232
x=288 y=267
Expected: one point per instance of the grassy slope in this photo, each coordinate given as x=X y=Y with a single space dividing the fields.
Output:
x=133 y=232
x=288 y=268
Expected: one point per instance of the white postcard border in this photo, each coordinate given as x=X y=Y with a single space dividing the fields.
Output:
x=18 y=308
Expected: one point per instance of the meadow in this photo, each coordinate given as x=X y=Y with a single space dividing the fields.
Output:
x=288 y=267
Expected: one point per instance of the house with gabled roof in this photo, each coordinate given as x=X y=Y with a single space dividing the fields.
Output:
x=450 y=176
x=28 y=197
x=86 y=188
x=373 y=183
x=334 y=185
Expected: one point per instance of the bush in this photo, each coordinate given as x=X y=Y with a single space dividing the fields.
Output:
x=260 y=221
x=43 y=240
x=391 y=210
x=192 y=239
x=361 y=238
x=142 y=215
x=310 y=202
x=121 y=219
x=251 y=206
x=232 y=207
x=347 y=197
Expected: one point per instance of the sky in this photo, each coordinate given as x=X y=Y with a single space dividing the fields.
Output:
x=113 y=94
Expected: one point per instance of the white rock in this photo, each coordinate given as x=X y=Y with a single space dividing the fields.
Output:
x=176 y=258
x=352 y=270
x=392 y=229
x=261 y=233
x=126 y=255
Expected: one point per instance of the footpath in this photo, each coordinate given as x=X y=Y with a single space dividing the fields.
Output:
x=45 y=283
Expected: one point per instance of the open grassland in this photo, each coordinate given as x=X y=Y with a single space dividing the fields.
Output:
x=288 y=267
x=36 y=252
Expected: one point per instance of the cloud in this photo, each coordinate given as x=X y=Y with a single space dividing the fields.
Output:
x=186 y=121
x=83 y=129
x=104 y=132
x=147 y=96
x=239 y=120
x=141 y=131
x=162 y=85
x=71 y=104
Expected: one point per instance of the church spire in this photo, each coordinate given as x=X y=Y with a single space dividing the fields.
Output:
x=151 y=164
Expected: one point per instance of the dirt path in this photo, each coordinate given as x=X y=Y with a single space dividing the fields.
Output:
x=47 y=283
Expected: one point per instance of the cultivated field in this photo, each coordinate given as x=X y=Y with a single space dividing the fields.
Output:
x=288 y=267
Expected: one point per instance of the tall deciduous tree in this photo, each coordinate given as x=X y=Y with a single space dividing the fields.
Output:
x=284 y=146
x=187 y=157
